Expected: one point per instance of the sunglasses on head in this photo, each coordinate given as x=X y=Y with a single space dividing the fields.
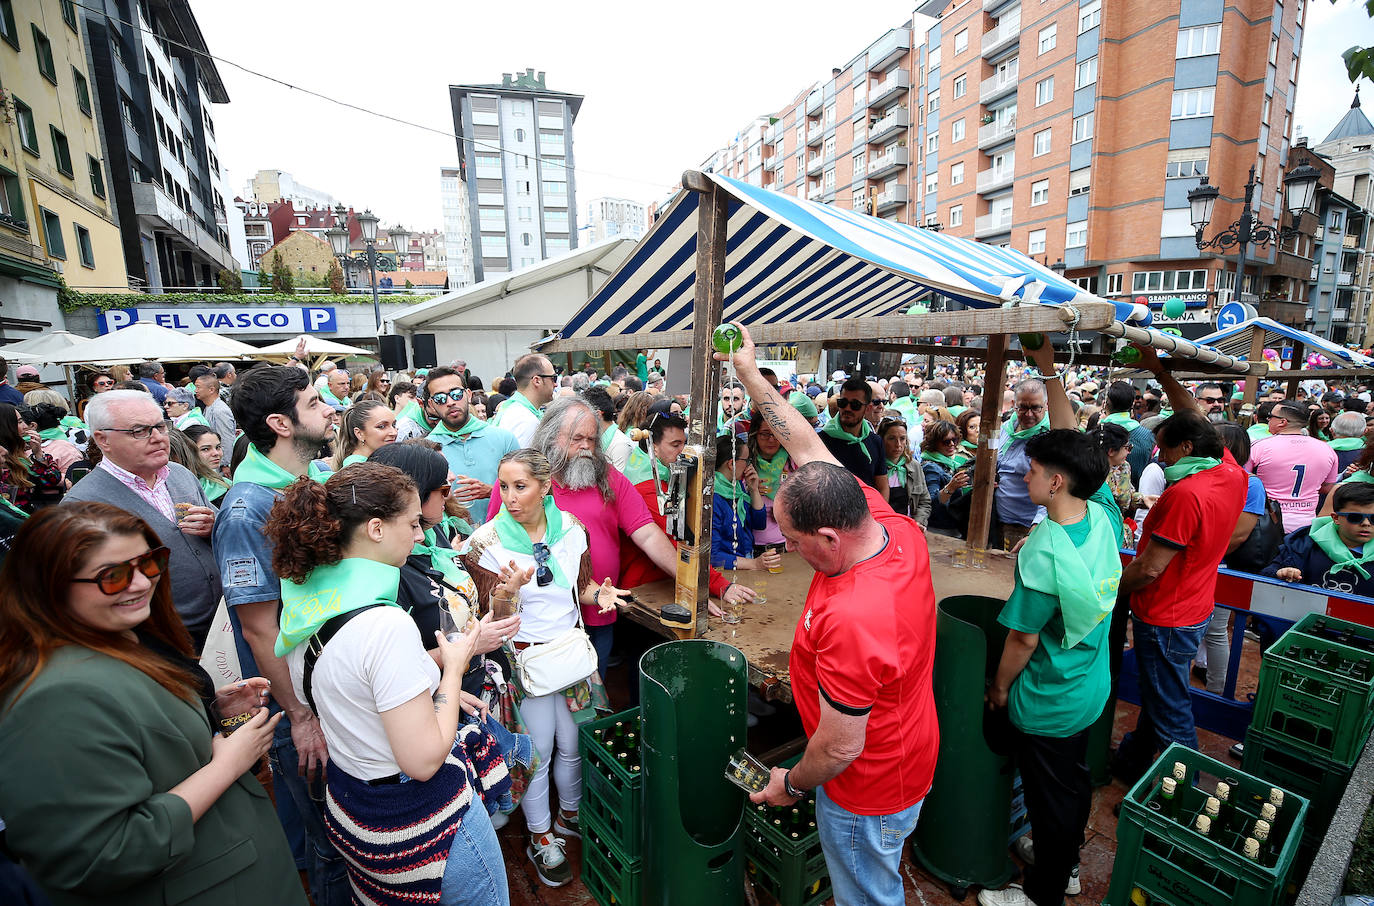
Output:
x=850 y=404
x=1356 y=518
x=115 y=578
x=444 y=398
x=542 y=574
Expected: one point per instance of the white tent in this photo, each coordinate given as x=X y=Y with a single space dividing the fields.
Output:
x=314 y=346
x=232 y=348
x=37 y=349
x=141 y=342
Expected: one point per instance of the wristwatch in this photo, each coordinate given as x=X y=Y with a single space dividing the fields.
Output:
x=789 y=788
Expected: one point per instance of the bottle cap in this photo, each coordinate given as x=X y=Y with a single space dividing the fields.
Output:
x=1180 y=771
x=1204 y=824
x=1251 y=848
x=1267 y=812
x=1276 y=797
x=1223 y=790
x=1212 y=807
x=1139 y=897
x=1261 y=830
x=1169 y=786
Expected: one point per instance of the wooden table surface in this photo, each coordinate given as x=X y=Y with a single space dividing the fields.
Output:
x=765 y=630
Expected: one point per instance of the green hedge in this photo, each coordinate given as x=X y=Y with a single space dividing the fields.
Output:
x=73 y=300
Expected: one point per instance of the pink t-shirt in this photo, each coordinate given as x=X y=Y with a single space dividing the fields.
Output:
x=605 y=521
x=1293 y=468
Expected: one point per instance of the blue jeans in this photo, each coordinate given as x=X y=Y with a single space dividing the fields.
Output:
x=475 y=874
x=328 y=877
x=864 y=852
x=602 y=637
x=1162 y=656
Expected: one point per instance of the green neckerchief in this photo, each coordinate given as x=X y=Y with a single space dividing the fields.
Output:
x=948 y=462
x=734 y=492
x=832 y=428
x=256 y=468
x=52 y=434
x=1084 y=579
x=770 y=472
x=330 y=398
x=473 y=425
x=662 y=471
x=1327 y=537
x=329 y=591
x=1361 y=475
x=71 y=421
x=193 y=417
x=956 y=411
x=1322 y=435
x=351 y=458
x=1189 y=465
x=1346 y=443
x=637 y=463
x=415 y=412
x=10 y=508
x=514 y=537
x=1121 y=418
x=519 y=399
x=1039 y=427
x=1256 y=431
x=443 y=559
x=970 y=446
x=214 y=490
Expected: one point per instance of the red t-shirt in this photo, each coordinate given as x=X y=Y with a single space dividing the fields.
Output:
x=1196 y=517
x=867 y=643
x=635 y=566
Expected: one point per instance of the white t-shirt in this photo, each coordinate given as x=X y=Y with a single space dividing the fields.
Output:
x=546 y=611
x=518 y=420
x=376 y=662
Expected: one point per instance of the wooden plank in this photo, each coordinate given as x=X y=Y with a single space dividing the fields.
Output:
x=985 y=466
x=1295 y=375
x=1256 y=355
x=977 y=353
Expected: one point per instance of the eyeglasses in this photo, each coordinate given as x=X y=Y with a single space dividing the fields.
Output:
x=445 y=489
x=543 y=575
x=1357 y=518
x=949 y=440
x=444 y=399
x=1030 y=408
x=547 y=377
x=856 y=405
x=1211 y=399
x=140 y=432
x=115 y=578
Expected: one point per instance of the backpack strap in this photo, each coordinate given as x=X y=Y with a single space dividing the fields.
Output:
x=315 y=646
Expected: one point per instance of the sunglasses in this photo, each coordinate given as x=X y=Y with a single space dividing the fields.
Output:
x=543 y=575
x=104 y=383
x=446 y=489
x=850 y=404
x=1357 y=518
x=444 y=399
x=115 y=578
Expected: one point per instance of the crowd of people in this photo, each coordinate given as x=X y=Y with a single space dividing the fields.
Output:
x=422 y=578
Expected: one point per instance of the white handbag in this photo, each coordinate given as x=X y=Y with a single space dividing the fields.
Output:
x=552 y=666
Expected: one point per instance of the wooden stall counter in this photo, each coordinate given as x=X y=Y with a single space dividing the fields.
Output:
x=765 y=630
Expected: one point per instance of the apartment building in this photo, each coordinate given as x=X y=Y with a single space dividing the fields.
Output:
x=1349 y=148
x=611 y=217
x=515 y=152
x=453 y=198
x=1073 y=130
x=56 y=218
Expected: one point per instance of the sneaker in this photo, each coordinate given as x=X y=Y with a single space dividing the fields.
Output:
x=1011 y=895
x=567 y=825
x=1024 y=850
x=550 y=862
x=1237 y=750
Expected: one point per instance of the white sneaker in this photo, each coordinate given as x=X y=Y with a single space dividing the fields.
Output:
x=550 y=862
x=1024 y=850
x=1011 y=895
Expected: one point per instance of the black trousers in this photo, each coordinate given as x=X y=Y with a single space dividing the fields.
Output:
x=1059 y=794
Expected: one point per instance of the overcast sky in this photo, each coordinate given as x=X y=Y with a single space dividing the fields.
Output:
x=665 y=84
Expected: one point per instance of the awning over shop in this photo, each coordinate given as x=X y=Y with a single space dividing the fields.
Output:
x=1237 y=340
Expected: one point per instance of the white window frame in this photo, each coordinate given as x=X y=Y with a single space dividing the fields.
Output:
x=1040 y=189
x=1076 y=234
x=1083 y=127
x=1085 y=73
x=1089 y=16
x=1048 y=38
x=961 y=85
x=1035 y=242
x=961 y=42
x=956 y=215
x=932 y=142
x=1193 y=103
x=956 y=173
x=933 y=101
x=1114 y=284
x=1044 y=91
x=1200 y=41
x=957 y=130
x=1036 y=150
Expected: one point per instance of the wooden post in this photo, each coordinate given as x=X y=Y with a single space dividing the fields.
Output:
x=1295 y=368
x=694 y=566
x=985 y=468
x=1256 y=355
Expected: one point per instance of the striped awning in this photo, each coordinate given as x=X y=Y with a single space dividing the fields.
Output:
x=1235 y=341
x=794 y=261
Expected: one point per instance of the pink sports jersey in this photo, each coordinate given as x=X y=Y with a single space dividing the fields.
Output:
x=1293 y=468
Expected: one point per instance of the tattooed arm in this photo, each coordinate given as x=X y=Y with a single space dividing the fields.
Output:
x=799 y=438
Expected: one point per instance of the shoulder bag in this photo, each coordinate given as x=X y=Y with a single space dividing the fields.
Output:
x=543 y=668
x=1261 y=546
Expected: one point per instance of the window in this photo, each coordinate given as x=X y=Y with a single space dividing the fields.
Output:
x=933 y=61
x=956 y=215
x=830 y=179
x=1273 y=50
x=8 y=30
x=1193 y=102
x=960 y=86
x=1035 y=242
x=1083 y=127
x=1168 y=281
x=860 y=92
x=1185 y=163
x=1114 y=284
x=525 y=239
x=932 y=182
x=956 y=130
x=933 y=101
x=956 y=173
x=830 y=114
x=860 y=164
x=83 y=91
x=1040 y=192
x=61 y=151
x=11 y=196
x=961 y=42
x=1089 y=15
x=1086 y=74
x=1049 y=37
x=1337 y=220
x=69 y=14
x=1076 y=235
x=1200 y=41
x=97 y=176
x=84 y=247
x=828 y=149
x=1044 y=91
x=43 y=47
x=28 y=132
x=519 y=135
x=1042 y=142
x=52 y=234
x=932 y=142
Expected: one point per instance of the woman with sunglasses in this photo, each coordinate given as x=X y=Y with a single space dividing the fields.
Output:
x=533 y=559
x=364 y=428
x=400 y=800
x=907 y=493
x=947 y=475
x=100 y=383
x=116 y=782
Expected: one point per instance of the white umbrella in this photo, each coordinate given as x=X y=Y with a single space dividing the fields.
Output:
x=140 y=342
x=232 y=347
x=36 y=350
x=314 y=346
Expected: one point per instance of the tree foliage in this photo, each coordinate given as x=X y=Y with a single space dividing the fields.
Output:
x=282 y=281
x=336 y=278
x=1359 y=61
x=230 y=281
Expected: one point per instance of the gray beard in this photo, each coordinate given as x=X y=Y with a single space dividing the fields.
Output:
x=581 y=472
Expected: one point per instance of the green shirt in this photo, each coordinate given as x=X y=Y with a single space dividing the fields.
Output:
x=1060 y=691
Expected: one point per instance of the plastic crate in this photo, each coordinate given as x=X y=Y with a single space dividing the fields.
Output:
x=1332 y=629
x=792 y=874
x=1319 y=708
x=611 y=794
x=1321 y=781
x=1174 y=864
x=611 y=879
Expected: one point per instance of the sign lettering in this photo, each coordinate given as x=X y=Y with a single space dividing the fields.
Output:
x=226 y=319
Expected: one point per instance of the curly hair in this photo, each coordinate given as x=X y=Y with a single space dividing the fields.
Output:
x=311 y=522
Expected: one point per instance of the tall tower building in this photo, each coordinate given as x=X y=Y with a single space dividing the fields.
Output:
x=453 y=193
x=1350 y=149
x=515 y=152
x=608 y=217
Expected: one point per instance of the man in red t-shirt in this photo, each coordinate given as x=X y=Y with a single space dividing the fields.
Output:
x=1172 y=580
x=861 y=659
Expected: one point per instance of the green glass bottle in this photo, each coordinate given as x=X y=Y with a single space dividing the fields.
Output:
x=1169 y=799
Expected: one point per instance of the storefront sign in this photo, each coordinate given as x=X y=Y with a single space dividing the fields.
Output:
x=1157 y=300
x=226 y=319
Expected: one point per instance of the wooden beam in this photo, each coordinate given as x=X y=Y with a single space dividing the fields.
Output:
x=967 y=352
x=1295 y=374
x=1256 y=355
x=985 y=465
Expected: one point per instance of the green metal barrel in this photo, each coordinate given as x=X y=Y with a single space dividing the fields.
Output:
x=694 y=709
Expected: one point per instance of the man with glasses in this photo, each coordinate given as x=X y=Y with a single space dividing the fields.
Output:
x=137 y=476
x=472 y=447
x=1015 y=511
x=1212 y=399
x=877 y=406
x=1296 y=470
x=850 y=437
x=1335 y=552
x=535 y=384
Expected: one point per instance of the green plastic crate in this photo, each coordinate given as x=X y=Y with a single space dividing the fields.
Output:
x=1321 y=709
x=1321 y=781
x=1174 y=864
x=1342 y=632
x=611 y=879
x=791 y=871
x=611 y=794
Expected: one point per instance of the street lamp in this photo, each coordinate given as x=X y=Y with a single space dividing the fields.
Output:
x=1059 y=267
x=400 y=240
x=338 y=242
x=1299 y=186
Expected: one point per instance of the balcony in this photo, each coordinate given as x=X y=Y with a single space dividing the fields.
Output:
x=814 y=102
x=1345 y=278
x=897 y=119
x=1340 y=315
x=992 y=180
x=890 y=48
x=894 y=197
x=815 y=133
x=995 y=133
x=156 y=206
x=992 y=5
x=814 y=165
x=999 y=86
x=883 y=164
x=1349 y=242
x=991 y=225
x=1006 y=34
x=776 y=162
x=896 y=82
x=1293 y=314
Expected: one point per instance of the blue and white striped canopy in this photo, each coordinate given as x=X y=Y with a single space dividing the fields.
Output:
x=1235 y=341
x=792 y=261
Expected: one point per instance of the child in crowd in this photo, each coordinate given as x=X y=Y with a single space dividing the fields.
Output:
x=737 y=509
x=1335 y=552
